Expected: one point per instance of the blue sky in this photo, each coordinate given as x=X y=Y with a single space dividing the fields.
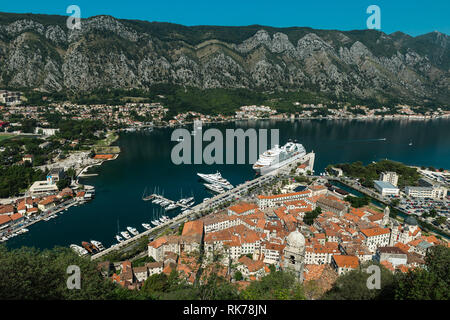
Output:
x=412 y=17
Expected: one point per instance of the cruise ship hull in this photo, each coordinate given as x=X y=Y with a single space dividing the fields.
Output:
x=267 y=169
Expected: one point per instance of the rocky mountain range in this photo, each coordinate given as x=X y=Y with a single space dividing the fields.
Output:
x=40 y=52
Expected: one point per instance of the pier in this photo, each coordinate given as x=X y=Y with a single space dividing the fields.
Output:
x=162 y=198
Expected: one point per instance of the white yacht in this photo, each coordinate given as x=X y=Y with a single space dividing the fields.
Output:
x=278 y=156
x=214 y=187
x=171 y=206
x=119 y=238
x=133 y=231
x=216 y=178
x=146 y=226
x=126 y=235
x=186 y=200
x=79 y=250
x=164 y=203
x=156 y=222
x=98 y=244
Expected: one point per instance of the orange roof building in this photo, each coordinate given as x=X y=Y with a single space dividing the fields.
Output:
x=344 y=263
x=193 y=228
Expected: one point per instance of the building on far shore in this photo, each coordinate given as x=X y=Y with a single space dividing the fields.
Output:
x=386 y=188
x=42 y=187
x=46 y=131
x=434 y=192
x=390 y=177
x=56 y=174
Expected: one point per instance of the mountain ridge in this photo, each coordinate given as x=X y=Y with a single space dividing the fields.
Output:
x=39 y=52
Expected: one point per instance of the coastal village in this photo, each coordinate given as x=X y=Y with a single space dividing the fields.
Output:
x=140 y=115
x=248 y=240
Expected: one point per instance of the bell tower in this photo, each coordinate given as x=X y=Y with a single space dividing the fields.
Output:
x=294 y=254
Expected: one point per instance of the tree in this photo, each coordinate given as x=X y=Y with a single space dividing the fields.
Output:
x=357 y=202
x=238 y=276
x=429 y=283
x=28 y=273
x=353 y=286
x=395 y=202
x=419 y=285
x=433 y=213
x=441 y=220
x=216 y=288
x=278 y=285
x=311 y=216
x=155 y=285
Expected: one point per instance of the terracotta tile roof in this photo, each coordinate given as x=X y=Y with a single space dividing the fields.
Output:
x=104 y=156
x=403 y=268
x=126 y=265
x=32 y=210
x=153 y=265
x=285 y=195
x=6 y=209
x=414 y=258
x=169 y=268
x=329 y=202
x=351 y=217
x=192 y=228
x=343 y=261
x=372 y=232
x=376 y=217
x=402 y=246
x=297 y=203
x=140 y=269
x=4 y=219
x=357 y=212
x=395 y=250
x=252 y=265
x=158 y=242
x=48 y=200
x=387 y=265
x=313 y=271
x=430 y=239
x=243 y=207
x=16 y=216
x=415 y=242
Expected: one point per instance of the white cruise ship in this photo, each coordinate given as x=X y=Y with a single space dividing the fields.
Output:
x=278 y=156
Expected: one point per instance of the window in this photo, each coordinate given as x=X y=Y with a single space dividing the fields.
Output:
x=292 y=259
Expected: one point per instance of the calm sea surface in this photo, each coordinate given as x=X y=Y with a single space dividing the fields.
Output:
x=145 y=163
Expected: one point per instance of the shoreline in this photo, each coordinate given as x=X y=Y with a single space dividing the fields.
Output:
x=294 y=119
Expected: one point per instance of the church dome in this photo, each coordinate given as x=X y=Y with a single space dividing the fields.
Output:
x=295 y=239
x=411 y=221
